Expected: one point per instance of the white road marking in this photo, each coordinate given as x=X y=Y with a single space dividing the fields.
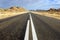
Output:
x=33 y=29
x=27 y=31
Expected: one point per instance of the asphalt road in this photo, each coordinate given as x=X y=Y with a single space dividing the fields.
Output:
x=13 y=28
x=44 y=30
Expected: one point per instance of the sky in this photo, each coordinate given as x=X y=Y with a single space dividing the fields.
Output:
x=31 y=4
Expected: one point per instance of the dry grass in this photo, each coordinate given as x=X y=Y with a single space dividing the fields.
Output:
x=13 y=11
x=9 y=14
x=50 y=14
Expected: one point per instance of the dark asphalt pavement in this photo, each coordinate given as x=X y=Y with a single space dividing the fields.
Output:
x=44 y=30
x=13 y=28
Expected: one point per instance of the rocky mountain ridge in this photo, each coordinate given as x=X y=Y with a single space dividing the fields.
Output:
x=13 y=9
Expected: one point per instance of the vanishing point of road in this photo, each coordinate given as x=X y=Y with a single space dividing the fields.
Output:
x=29 y=26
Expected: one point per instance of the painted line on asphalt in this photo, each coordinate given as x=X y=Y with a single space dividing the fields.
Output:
x=34 y=35
x=27 y=31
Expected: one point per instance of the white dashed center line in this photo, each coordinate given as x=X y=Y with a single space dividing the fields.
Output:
x=34 y=35
x=33 y=29
x=27 y=31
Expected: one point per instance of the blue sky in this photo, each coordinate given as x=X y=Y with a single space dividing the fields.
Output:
x=31 y=4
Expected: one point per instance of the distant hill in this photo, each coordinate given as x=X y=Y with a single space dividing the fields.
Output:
x=17 y=9
x=13 y=9
x=52 y=9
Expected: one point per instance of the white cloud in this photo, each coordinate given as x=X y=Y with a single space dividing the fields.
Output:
x=44 y=4
x=57 y=1
x=29 y=3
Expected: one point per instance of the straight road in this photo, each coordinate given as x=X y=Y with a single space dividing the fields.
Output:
x=13 y=28
x=28 y=26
